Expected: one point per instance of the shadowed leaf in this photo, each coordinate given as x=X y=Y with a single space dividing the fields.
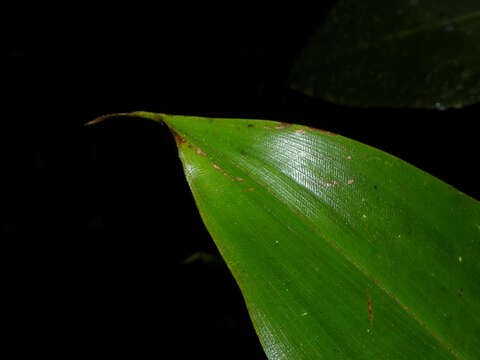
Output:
x=400 y=53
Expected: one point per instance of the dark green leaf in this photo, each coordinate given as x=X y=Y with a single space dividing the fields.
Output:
x=400 y=53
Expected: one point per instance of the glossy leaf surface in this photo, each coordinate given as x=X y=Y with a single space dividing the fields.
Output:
x=341 y=250
x=400 y=53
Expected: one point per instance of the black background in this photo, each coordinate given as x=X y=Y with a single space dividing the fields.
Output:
x=96 y=221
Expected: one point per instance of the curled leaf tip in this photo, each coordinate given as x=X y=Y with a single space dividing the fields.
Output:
x=134 y=114
x=105 y=117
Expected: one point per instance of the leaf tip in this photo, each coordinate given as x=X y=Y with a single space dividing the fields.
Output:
x=134 y=114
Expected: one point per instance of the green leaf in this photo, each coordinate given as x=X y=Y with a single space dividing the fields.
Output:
x=399 y=53
x=341 y=250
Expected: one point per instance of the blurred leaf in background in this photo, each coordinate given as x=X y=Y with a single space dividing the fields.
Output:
x=415 y=53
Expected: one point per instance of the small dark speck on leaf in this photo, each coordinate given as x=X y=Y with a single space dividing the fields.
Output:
x=250 y=125
x=375 y=187
x=460 y=292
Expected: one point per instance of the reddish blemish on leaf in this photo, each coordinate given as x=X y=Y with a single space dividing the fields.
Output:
x=283 y=125
x=178 y=139
x=321 y=130
x=300 y=131
x=250 y=189
x=239 y=178
x=198 y=151
x=370 y=309
x=215 y=166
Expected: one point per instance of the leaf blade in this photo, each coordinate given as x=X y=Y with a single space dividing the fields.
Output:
x=340 y=250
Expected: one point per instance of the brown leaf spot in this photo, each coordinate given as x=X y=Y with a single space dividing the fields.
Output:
x=215 y=166
x=283 y=125
x=178 y=139
x=349 y=157
x=350 y=181
x=267 y=128
x=250 y=125
x=370 y=309
x=321 y=130
x=200 y=152
x=460 y=292
x=250 y=189
x=300 y=131
x=239 y=178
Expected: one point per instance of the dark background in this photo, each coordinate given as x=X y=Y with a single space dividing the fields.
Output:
x=96 y=221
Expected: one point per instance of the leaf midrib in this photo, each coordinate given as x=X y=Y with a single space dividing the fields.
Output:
x=378 y=283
